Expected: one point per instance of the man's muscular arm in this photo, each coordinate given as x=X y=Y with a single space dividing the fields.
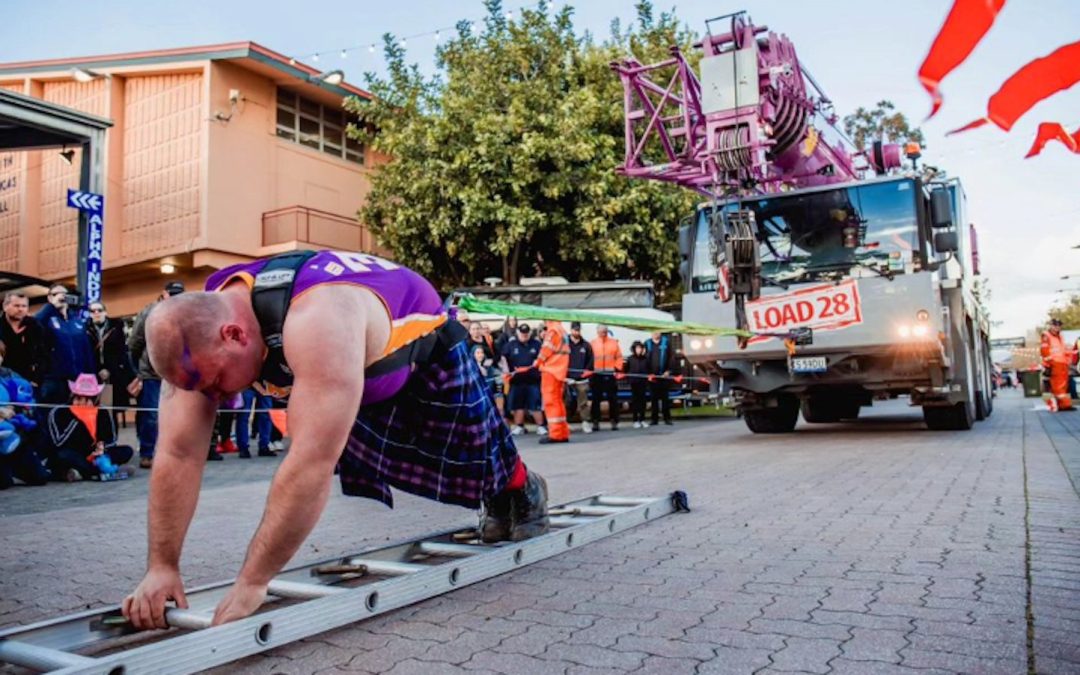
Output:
x=185 y=423
x=326 y=340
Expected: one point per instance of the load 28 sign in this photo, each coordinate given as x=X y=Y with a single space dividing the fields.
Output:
x=94 y=206
x=824 y=307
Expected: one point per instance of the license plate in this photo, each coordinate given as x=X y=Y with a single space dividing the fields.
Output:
x=809 y=364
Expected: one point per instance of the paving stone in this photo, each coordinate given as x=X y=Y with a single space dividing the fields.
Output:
x=874 y=645
x=732 y=660
x=515 y=664
x=960 y=663
x=805 y=655
x=597 y=657
x=658 y=665
x=673 y=649
x=533 y=641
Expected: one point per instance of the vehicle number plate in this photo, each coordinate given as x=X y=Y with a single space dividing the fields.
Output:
x=809 y=364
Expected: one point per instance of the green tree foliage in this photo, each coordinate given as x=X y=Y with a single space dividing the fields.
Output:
x=1068 y=314
x=503 y=164
x=881 y=123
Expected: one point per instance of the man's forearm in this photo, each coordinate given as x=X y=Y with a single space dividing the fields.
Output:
x=174 y=493
x=297 y=497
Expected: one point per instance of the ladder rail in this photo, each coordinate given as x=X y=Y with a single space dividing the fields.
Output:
x=395 y=583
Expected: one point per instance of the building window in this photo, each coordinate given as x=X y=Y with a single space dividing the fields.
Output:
x=319 y=127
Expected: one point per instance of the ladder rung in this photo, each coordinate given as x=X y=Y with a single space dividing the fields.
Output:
x=39 y=658
x=451 y=550
x=388 y=568
x=568 y=521
x=594 y=511
x=185 y=618
x=622 y=501
x=298 y=589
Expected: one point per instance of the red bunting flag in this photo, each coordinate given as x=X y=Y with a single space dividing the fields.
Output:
x=619 y=376
x=967 y=23
x=1037 y=80
x=652 y=378
x=1052 y=131
x=280 y=418
x=678 y=379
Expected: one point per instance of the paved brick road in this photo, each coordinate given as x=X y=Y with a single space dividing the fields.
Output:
x=876 y=547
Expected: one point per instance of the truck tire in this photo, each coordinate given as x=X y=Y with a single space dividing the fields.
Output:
x=982 y=408
x=821 y=410
x=957 y=417
x=778 y=420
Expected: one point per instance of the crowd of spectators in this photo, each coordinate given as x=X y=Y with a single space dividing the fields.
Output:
x=508 y=360
x=69 y=376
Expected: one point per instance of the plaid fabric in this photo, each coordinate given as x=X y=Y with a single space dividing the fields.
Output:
x=440 y=437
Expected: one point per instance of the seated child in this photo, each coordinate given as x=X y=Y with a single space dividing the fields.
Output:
x=83 y=438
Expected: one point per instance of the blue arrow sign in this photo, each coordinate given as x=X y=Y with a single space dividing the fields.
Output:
x=84 y=201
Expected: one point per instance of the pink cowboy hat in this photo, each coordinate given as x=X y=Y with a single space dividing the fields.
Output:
x=85 y=385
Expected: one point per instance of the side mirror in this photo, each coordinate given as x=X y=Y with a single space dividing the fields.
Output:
x=940 y=209
x=946 y=242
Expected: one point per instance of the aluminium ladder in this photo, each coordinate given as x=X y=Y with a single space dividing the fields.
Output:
x=311 y=599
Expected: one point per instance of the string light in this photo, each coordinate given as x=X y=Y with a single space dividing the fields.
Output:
x=404 y=40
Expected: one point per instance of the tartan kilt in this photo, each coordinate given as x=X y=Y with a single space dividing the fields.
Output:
x=440 y=437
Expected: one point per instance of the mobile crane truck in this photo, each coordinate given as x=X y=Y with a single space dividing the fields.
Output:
x=868 y=265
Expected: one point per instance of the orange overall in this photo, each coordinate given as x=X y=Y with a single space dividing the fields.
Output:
x=554 y=363
x=1057 y=358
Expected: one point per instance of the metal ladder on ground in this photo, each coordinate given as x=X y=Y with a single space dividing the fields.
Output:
x=312 y=599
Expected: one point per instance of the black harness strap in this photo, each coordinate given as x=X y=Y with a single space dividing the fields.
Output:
x=270 y=298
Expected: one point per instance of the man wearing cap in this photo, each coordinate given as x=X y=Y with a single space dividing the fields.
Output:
x=146 y=385
x=581 y=367
x=524 y=394
x=67 y=344
x=379 y=385
x=1057 y=358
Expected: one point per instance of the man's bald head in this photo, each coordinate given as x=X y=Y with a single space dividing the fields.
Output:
x=208 y=342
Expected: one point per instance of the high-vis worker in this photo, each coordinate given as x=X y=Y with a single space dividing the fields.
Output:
x=554 y=364
x=1057 y=358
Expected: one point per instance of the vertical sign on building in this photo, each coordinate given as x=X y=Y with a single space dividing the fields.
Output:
x=89 y=274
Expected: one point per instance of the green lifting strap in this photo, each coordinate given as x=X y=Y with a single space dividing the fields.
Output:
x=474 y=304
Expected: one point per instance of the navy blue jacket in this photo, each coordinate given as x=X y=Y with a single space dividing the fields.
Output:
x=660 y=356
x=522 y=355
x=68 y=345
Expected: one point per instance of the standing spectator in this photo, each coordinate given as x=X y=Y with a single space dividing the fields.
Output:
x=608 y=359
x=462 y=317
x=67 y=344
x=506 y=334
x=660 y=367
x=637 y=367
x=553 y=363
x=27 y=352
x=83 y=437
x=520 y=355
x=110 y=353
x=581 y=367
x=485 y=332
x=477 y=341
x=18 y=456
x=147 y=383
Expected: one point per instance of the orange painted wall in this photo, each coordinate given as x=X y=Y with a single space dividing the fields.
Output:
x=252 y=171
x=162 y=174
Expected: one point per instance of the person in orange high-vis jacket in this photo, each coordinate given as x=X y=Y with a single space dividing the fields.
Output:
x=608 y=360
x=554 y=363
x=1057 y=357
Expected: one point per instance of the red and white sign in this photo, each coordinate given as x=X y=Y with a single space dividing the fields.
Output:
x=824 y=307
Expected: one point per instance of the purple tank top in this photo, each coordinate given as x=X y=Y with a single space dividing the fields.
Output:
x=414 y=306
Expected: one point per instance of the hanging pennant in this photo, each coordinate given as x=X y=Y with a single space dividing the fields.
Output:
x=967 y=23
x=1037 y=80
x=1052 y=131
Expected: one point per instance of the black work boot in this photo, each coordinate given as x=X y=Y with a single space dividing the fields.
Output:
x=497 y=521
x=530 y=509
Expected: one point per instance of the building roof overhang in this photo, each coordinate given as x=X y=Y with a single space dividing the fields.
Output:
x=250 y=52
x=28 y=123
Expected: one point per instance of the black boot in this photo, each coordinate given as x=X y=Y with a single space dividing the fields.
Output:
x=498 y=517
x=530 y=509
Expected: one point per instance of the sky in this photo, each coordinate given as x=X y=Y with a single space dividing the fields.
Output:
x=1027 y=212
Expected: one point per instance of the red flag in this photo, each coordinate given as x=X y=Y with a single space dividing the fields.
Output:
x=619 y=376
x=967 y=23
x=87 y=414
x=652 y=378
x=280 y=418
x=678 y=379
x=1052 y=131
x=1037 y=80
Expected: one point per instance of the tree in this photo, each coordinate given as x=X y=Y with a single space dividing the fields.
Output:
x=1069 y=314
x=882 y=123
x=503 y=164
